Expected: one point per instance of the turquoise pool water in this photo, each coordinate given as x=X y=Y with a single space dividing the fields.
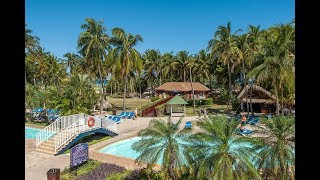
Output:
x=123 y=148
x=30 y=133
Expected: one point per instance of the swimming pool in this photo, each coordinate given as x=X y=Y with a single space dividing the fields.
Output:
x=29 y=133
x=123 y=148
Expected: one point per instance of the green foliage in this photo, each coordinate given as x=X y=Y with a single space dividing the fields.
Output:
x=200 y=102
x=277 y=150
x=83 y=169
x=118 y=176
x=154 y=99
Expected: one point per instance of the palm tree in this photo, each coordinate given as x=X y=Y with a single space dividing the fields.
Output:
x=181 y=64
x=127 y=58
x=161 y=139
x=277 y=60
x=153 y=63
x=92 y=44
x=224 y=155
x=72 y=60
x=224 y=46
x=31 y=42
x=276 y=150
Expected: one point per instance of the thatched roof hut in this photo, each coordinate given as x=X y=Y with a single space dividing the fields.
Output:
x=260 y=95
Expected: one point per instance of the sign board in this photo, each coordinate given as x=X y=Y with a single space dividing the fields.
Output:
x=79 y=154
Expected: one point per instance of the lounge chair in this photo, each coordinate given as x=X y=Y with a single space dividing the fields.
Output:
x=244 y=132
x=124 y=114
x=188 y=125
x=254 y=121
x=121 y=114
x=130 y=116
x=250 y=118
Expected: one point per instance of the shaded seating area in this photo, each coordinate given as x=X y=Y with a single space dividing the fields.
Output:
x=177 y=106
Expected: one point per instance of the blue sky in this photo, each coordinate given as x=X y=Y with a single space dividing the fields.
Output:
x=166 y=25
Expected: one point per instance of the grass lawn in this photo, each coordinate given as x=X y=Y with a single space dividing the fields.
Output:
x=81 y=170
x=130 y=103
x=91 y=139
x=37 y=123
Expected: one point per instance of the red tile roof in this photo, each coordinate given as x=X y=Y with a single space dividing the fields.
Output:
x=182 y=86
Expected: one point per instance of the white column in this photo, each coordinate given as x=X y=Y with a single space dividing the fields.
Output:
x=170 y=110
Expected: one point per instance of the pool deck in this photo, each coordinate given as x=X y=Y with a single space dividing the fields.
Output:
x=37 y=164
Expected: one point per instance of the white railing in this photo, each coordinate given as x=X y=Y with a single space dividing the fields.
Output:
x=79 y=126
x=61 y=123
x=109 y=124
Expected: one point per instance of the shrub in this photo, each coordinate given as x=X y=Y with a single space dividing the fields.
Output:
x=103 y=172
x=200 y=102
x=154 y=99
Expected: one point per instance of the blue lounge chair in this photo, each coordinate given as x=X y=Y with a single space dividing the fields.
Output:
x=130 y=116
x=245 y=132
x=118 y=119
x=250 y=118
x=121 y=114
x=188 y=125
x=254 y=121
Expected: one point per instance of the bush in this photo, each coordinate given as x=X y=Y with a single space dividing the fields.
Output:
x=154 y=99
x=103 y=172
x=200 y=102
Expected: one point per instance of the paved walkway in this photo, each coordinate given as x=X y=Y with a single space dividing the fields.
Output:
x=37 y=164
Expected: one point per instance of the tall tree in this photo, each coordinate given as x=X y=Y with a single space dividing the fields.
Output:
x=127 y=58
x=277 y=149
x=72 y=60
x=224 y=155
x=224 y=46
x=92 y=44
x=162 y=139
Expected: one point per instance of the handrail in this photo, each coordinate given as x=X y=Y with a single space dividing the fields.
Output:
x=59 y=124
x=80 y=126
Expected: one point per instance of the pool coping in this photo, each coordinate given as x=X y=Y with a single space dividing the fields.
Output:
x=35 y=126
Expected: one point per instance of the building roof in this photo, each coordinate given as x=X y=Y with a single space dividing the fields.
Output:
x=264 y=96
x=182 y=87
x=177 y=100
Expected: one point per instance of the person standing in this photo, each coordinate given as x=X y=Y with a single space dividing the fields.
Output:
x=205 y=112
x=243 y=120
x=135 y=114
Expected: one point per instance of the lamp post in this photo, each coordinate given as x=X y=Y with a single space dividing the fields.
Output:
x=251 y=87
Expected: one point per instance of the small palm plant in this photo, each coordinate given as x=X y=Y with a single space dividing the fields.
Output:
x=162 y=139
x=277 y=150
x=218 y=153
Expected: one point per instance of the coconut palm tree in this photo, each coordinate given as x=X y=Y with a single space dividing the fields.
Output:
x=92 y=44
x=277 y=149
x=72 y=60
x=153 y=63
x=161 y=139
x=31 y=42
x=220 y=151
x=127 y=58
x=224 y=46
x=277 y=61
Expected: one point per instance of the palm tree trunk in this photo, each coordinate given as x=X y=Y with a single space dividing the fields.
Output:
x=282 y=107
x=111 y=88
x=277 y=101
x=193 y=103
x=124 y=92
x=140 y=90
x=184 y=75
x=160 y=78
x=102 y=85
x=229 y=74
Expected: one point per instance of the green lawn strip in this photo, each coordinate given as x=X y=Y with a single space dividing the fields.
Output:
x=83 y=169
x=37 y=123
x=117 y=176
x=91 y=139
